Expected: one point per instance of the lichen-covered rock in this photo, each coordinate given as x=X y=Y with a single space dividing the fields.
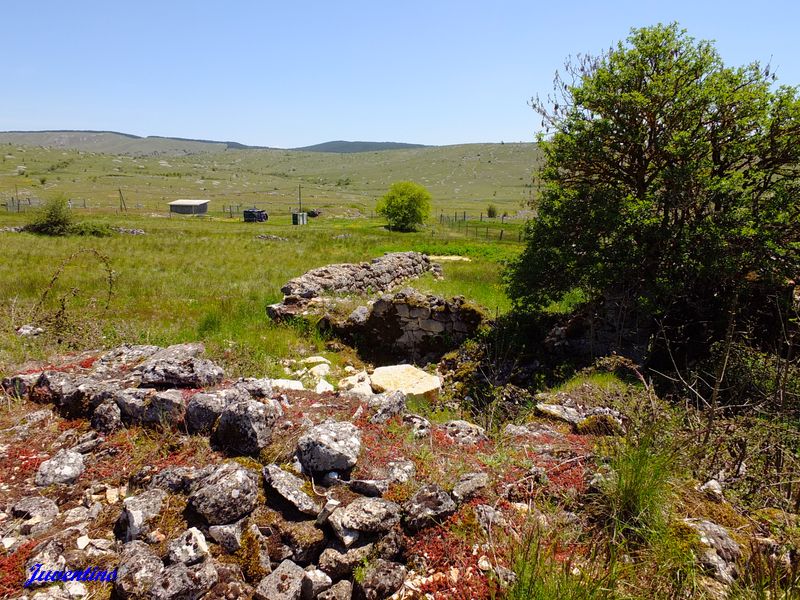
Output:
x=107 y=418
x=180 y=581
x=339 y=565
x=330 y=446
x=132 y=403
x=370 y=487
x=386 y=406
x=139 y=511
x=189 y=548
x=721 y=552
x=420 y=426
x=203 y=410
x=284 y=583
x=225 y=496
x=35 y=507
x=138 y=569
x=560 y=413
x=314 y=583
x=179 y=366
x=381 y=579
x=61 y=390
x=228 y=536
x=50 y=556
x=468 y=485
x=65 y=467
x=431 y=504
x=370 y=515
x=245 y=427
x=19 y=386
x=464 y=432
x=342 y=590
x=290 y=488
x=165 y=408
x=179 y=480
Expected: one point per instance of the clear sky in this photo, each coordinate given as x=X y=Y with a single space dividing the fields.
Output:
x=296 y=73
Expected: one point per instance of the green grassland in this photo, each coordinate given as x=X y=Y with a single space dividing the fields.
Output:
x=211 y=278
x=464 y=178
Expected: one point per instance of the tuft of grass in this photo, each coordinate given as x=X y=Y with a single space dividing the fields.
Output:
x=634 y=499
x=540 y=576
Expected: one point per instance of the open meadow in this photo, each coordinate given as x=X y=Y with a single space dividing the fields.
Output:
x=211 y=278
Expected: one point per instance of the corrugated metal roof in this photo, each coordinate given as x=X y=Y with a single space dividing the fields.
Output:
x=188 y=202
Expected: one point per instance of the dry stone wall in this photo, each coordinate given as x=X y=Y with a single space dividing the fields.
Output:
x=378 y=275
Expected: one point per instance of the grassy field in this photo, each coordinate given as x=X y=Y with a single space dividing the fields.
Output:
x=206 y=279
x=464 y=178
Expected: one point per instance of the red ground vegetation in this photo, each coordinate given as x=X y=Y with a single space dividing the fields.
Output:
x=12 y=569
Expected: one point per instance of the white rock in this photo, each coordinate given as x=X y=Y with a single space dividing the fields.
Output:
x=82 y=542
x=320 y=371
x=406 y=378
x=287 y=384
x=323 y=386
x=315 y=360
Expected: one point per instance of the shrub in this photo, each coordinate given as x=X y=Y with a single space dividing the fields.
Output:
x=54 y=218
x=405 y=205
x=491 y=211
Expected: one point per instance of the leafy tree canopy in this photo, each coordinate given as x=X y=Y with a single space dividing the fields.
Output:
x=405 y=205
x=668 y=177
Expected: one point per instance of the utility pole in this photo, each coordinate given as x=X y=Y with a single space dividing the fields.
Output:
x=299 y=197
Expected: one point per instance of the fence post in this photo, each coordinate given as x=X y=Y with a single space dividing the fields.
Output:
x=487 y=233
x=501 y=234
x=465 y=215
x=481 y=217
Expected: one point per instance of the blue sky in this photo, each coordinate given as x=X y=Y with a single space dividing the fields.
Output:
x=289 y=74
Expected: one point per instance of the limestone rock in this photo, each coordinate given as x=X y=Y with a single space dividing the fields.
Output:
x=284 y=583
x=138 y=569
x=35 y=507
x=386 y=406
x=287 y=384
x=182 y=581
x=342 y=590
x=179 y=480
x=431 y=504
x=19 y=386
x=721 y=551
x=65 y=467
x=246 y=427
x=179 y=366
x=107 y=417
x=139 y=511
x=165 y=408
x=132 y=403
x=464 y=433
x=314 y=583
x=330 y=446
x=560 y=413
x=400 y=471
x=370 y=515
x=323 y=387
x=290 y=488
x=370 y=487
x=468 y=485
x=203 y=410
x=189 y=548
x=407 y=379
x=228 y=536
x=420 y=426
x=339 y=565
x=225 y=496
x=382 y=578
x=61 y=390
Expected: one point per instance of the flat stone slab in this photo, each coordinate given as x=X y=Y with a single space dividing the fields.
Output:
x=407 y=379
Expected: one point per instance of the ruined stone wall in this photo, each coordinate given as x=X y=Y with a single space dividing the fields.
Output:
x=409 y=325
x=378 y=275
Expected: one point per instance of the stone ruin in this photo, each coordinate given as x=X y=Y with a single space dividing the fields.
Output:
x=407 y=325
x=379 y=275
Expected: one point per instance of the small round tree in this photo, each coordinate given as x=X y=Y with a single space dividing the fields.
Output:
x=405 y=205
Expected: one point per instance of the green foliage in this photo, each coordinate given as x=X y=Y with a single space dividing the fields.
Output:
x=54 y=218
x=541 y=577
x=668 y=177
x=405 y=205
x=634 y=497
x=491 y=211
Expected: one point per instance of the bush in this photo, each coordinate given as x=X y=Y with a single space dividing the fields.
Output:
x=491 y=211
x=54 y=218
x=405 y=205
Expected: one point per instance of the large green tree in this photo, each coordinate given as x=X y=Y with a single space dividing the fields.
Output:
x=668 y=178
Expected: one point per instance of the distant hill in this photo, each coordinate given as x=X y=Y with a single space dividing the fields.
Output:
x=114 y=142
x=347 y=147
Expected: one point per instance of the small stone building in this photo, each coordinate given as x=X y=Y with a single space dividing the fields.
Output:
x=189 y=207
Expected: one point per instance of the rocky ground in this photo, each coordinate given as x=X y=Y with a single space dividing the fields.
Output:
x=148 y=464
